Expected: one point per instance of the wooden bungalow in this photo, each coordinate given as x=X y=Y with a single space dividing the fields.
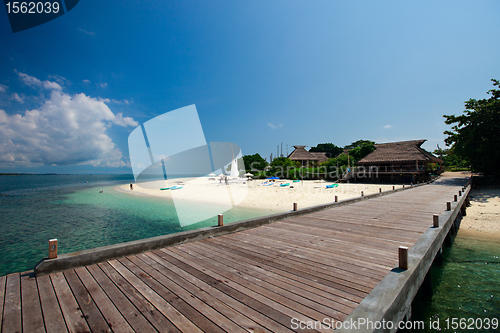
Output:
x=403 y=161
x=306 y=158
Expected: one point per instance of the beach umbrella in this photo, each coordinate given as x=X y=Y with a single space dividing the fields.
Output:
x=212 y=175
x=248 y=174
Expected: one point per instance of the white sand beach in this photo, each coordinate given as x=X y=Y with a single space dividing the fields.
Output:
x=483 y=215
x=253 y=195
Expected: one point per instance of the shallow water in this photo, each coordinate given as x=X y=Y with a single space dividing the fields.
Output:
x=465 y=285
x=35 y=208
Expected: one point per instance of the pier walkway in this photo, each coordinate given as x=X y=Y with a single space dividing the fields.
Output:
x=266 y=279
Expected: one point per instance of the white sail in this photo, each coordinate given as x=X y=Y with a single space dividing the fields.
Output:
x=234 y=169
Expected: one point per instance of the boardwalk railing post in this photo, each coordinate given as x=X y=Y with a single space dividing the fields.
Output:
x=455 y=197
x=393 y=187
x=435 y=220
x=403 y=257
x=379 y=190
x=459 y=193
x=52 y=248
x=362 y=194
x=448 y=205
x=336 y=199
x=221 y=220
x=295 y=206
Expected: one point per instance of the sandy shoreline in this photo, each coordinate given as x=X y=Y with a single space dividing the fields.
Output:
x=483 y=216
x=252 y=195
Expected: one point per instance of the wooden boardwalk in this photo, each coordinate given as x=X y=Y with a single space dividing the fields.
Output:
x=309 y=268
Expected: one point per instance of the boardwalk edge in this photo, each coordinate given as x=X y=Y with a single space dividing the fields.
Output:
x=390 y=300
x=105 y=253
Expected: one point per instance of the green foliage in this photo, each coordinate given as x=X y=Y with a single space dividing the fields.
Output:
x=474 y=135
x=451 y=159
x=330 y=149
x=254 y=162
x=361 y=150
x=359 y=143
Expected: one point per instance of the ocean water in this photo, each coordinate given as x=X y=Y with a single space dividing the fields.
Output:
x=466 y=284
x=36 y=208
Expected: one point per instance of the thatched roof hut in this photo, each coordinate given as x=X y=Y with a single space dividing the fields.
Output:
x=300 y=154
x=399 y=152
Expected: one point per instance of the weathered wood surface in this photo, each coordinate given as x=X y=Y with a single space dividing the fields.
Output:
x=311 y=267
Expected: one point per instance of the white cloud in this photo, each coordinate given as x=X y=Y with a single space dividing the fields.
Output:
x=107 y=100
x=86 y=81
x=388 y=126
x=3 y=88
x=273 y=126
x=51 y=85
x=90 y=33
x=34 y=82
x=17 y=98
x=104 y=85
x=65 y=130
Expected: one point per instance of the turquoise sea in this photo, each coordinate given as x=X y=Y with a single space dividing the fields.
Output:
x=35 y=208
x=465 y=285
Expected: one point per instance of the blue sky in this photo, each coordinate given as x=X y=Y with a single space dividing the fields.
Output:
x=259 y=72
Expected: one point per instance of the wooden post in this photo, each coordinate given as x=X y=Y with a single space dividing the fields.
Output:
x=362 y=194
x=459 y=193
x=435 y=220
x=221 y=220
x=393 y=187
x=403 y=257
x=336 y=199
x=455 y=197
x=52 y=248
x=295 y=206
x=403 y=185
x=379 y=190
x=448 y=205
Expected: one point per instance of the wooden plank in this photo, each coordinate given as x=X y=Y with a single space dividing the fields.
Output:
x=271 y=271
x=280 y=261
x=261 y=259
x=257 y=305
x=94 y=318
x=177 y=318
x=269 y=277
x=356 y=277
x=307 y=304
x=338 y=252
x=3 y=280
x=71 y=311
x=226 y=299
x=315 y=256
x=31 y=307
x=12 y=308
x=52 y=315
x=195 y=310
x=266 y=306
x=147 y=309
x=112 y=316
x=202 y=295
x=119 y=302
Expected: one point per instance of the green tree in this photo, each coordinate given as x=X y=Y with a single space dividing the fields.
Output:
x=254 y=162
x=475 y=135
x=330 y=149
x=361 y=150
x=284 y=167
x=358 y=143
